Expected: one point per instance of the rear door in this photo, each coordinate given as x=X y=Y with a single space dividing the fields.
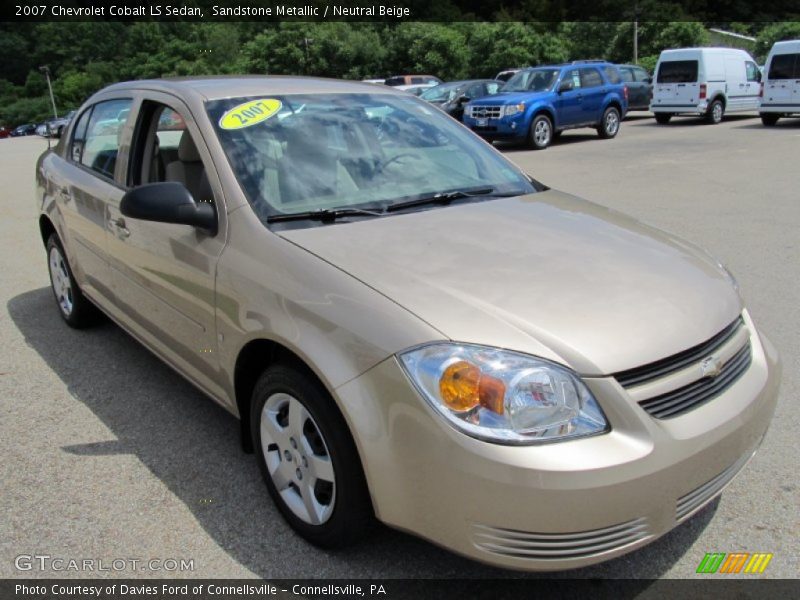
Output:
x=594 y=92
x=90 y=183
x=676 y=83
x=783 y=81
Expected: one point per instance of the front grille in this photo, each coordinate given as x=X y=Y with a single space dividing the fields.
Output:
x=688 y=397
x=676 y=362
x=559 y=546
x=694 y=500
x=485 y=112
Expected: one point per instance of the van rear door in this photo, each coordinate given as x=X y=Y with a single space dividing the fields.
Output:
x=676 y=84
x=783 y=81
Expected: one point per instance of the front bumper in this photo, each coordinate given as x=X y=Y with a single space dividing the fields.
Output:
x=504 y=128
x=561 y=505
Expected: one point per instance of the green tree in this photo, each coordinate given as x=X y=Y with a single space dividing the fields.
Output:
x=778 y=32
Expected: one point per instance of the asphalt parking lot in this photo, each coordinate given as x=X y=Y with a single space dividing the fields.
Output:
x=106 y=453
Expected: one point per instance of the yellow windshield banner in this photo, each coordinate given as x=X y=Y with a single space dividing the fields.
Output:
x=250 y=113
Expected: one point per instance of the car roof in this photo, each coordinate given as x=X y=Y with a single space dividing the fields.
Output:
x=236 y=86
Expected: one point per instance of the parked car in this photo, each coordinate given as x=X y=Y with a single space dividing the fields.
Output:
x=412 y=80
x=41 y=129
x=415 y=90
x=640 y=86
x=451 y=97
x=507 y=74
x=27 y=129
x=706 y=82
x=407 y=325
x=781 y=86
x=55 y=127
x=4 y=132
x=539 y=103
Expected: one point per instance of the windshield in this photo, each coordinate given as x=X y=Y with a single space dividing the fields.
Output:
x=441 y=93
x=532 y=80
x=300 y=153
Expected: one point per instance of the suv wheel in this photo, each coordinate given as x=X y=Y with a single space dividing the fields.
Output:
x=663 y=118
x=609 y=125
x=541 y=133
x=715 y=112
x=75 y=308
x=769 y=119
x=308 y=459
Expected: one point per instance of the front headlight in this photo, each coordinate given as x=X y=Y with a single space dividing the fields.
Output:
x=502 y=396
x=513 y=109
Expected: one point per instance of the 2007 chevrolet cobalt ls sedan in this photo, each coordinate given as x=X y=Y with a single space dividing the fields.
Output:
x=408 y=326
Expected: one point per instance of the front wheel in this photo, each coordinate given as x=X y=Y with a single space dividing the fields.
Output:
x=609 y=125
x=75 y=308
x=541 y=133
x=308 y=459
x=663 y=118
x=769 y=119
x=715 y=112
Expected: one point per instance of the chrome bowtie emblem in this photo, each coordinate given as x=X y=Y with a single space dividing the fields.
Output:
x=711 y=366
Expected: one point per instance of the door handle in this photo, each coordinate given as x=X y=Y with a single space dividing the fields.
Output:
x=119 y=223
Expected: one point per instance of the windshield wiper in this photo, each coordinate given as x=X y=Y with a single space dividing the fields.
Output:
x=443 y=198
x=326 y=215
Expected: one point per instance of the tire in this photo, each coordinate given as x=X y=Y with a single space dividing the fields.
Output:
x=663 y=118
x=76 y=310
x=609 y=124
x=769 y=119
x=311 y=457
x=541 y=132
x=715 y=112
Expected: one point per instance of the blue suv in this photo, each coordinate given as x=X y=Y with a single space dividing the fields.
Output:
x=538 y=103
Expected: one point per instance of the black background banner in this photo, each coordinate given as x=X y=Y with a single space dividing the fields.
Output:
x=739 y=587
x=417 y=10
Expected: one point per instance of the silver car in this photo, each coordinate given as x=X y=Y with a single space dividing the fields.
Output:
x=408 y=326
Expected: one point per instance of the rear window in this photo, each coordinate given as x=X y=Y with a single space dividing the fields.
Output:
x=677 y=71
x=395 y=81
x=612 y=74
x=785 y=66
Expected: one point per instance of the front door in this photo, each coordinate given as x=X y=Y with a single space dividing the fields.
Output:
x=163 y=273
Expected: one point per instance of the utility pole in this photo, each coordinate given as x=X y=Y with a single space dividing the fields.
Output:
x=46 y=70
x=636 y=42
x=306 y=42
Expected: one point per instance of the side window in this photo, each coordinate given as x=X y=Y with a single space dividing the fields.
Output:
x=79 y=136
x=612 y=74
x=752 y=71
x=101 y=145
x=417 y=80
x=627 y=75
x=574 y=76
x=167 y=151
x=591 y=78
x=475 y=91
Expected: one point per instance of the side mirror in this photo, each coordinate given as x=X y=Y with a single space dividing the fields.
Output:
x=463 y=100
x=168 y=202
x=566 y=86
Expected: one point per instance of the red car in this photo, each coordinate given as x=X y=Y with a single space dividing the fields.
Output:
x=4 y=132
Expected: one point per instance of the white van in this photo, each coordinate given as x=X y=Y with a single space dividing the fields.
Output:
x=705 y=81
x=781 y=86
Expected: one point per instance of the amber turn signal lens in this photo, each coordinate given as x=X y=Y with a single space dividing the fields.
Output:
x=463 y=387
x=459 y=386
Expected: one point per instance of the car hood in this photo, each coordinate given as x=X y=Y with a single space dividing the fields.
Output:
x=546 y=274
x=509 y=98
